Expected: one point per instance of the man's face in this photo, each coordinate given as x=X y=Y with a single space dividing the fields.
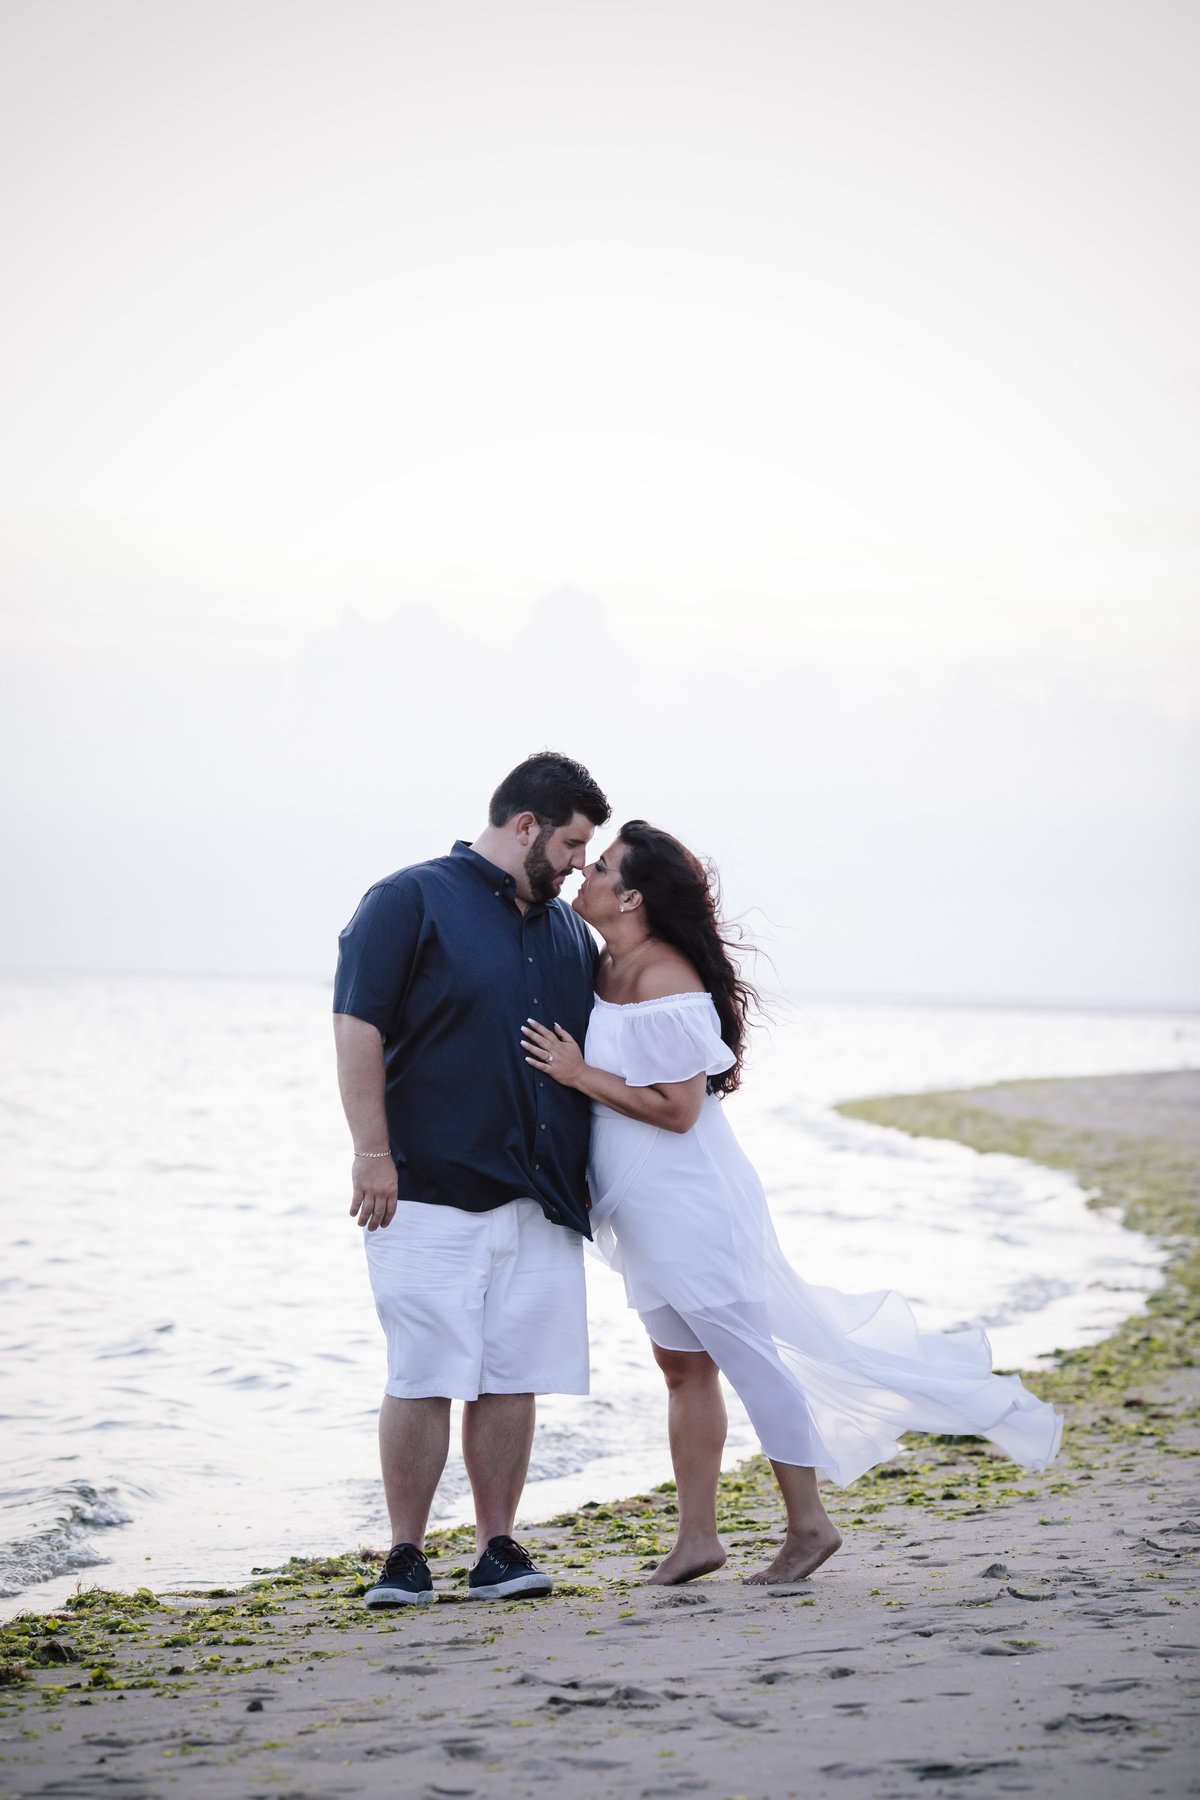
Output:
x=554 y=854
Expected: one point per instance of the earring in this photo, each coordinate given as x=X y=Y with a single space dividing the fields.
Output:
x=620 y=909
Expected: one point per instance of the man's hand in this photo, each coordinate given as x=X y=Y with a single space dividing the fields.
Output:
x=374 y=1202
x=360 y=1077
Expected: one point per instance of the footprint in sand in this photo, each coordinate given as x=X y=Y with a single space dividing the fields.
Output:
x=464 y=1749
x=953 y=1771
x=455 y=1643
x=1116 y=1686
x=625 y=1697
x=1095 y=1724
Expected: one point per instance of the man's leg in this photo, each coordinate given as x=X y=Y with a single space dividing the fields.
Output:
x=497 y=1437
x=535 y=1341
x=414 y=1436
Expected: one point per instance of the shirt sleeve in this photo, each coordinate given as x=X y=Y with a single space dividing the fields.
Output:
x=673 y=1043
x=377 y=953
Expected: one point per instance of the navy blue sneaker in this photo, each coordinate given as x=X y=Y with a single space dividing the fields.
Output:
x=505 y=1570
x=403 y=1579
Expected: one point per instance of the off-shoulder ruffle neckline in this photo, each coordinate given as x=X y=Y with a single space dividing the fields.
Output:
x=644 y=1005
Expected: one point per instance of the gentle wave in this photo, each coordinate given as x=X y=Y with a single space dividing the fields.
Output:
x=63 y=1546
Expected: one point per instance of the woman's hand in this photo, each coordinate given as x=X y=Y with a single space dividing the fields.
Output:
x=555 y=1051
x=672 y=1106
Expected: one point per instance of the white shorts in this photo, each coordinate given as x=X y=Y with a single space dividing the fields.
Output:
x=479 y=1303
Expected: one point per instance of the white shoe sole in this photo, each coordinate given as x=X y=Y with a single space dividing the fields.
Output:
x=397 y=1597
x=505 y=1590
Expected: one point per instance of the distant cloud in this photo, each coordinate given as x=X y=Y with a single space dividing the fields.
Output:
x=1002 y=828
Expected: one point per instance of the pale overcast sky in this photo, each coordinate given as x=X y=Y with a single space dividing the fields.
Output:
x=840 y=359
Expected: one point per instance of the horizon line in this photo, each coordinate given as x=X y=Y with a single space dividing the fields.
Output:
x=847 y=996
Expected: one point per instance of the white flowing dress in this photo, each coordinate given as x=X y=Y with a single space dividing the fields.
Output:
x=829 y=1380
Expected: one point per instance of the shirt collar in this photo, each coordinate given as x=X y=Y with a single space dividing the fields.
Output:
x=497 y=879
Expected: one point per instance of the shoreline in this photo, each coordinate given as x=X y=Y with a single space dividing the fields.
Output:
x=1132 y=1141
x=951 y=1587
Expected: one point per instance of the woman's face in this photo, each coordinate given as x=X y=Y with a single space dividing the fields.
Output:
x=600 y=892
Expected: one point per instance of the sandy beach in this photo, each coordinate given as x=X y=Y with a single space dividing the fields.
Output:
x=983 y=1631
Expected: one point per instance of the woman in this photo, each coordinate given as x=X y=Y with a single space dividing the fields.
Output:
x=829 y=1380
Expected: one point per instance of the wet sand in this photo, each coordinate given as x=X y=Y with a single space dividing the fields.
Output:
x=983 y=1632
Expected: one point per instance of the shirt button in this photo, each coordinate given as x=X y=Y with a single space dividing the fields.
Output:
x=541 y=1128
x=529 y=959
x=537 y=1168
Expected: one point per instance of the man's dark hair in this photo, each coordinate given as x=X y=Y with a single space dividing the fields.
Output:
x=552 y=788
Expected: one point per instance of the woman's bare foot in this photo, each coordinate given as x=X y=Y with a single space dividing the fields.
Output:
x=800 y=1554
x=687 y=1562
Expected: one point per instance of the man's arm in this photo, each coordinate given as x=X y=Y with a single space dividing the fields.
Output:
x=360 y=1079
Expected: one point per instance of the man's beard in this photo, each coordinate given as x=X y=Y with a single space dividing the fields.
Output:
x=540 y=874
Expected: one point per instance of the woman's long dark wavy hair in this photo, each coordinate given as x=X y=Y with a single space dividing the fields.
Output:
x=682 y=901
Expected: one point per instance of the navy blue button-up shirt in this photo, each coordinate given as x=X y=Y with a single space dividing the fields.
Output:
x=441 y=959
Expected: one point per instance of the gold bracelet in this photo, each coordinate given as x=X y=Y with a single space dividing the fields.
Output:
x=372 y=1153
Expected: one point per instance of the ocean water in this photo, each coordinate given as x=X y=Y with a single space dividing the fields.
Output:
x=190 y=1364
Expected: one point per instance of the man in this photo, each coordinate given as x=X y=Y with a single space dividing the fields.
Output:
x=470 y=1168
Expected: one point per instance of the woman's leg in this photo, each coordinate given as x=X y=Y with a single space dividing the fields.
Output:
x=812 y=1537
x=696 y=1424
